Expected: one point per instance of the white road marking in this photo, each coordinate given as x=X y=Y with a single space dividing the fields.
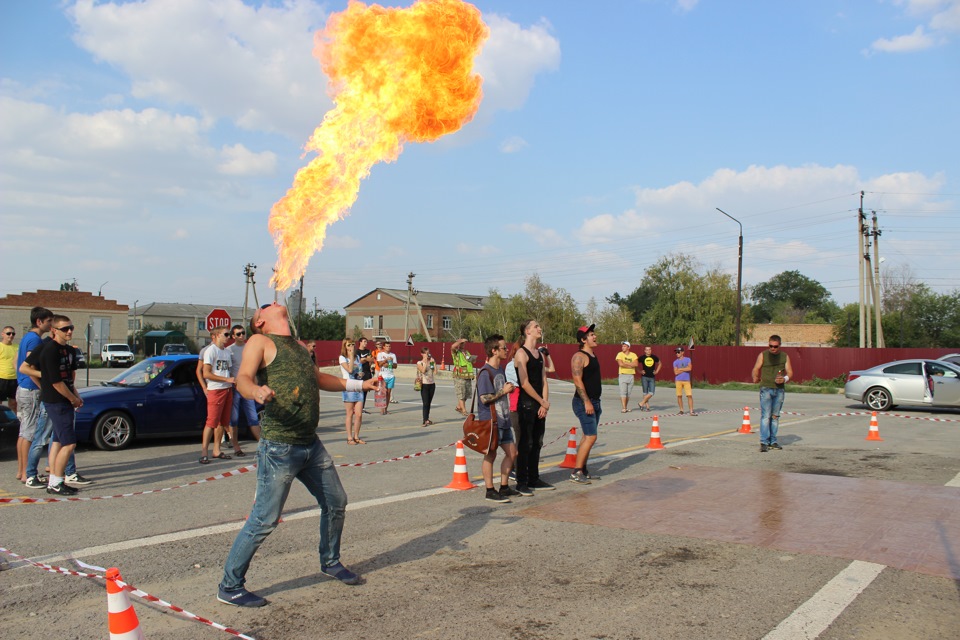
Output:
x=813 y=617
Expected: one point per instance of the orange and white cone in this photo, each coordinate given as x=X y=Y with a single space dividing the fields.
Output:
x=655 y=435
x=746 y=427
x=121 y=617
x=570 y=460
x=874 y=433
x=461 y=481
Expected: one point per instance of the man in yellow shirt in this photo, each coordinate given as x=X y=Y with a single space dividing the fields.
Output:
x=627 y=361
x=8 y=368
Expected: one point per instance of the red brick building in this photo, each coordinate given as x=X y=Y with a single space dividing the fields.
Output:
x=388 y=313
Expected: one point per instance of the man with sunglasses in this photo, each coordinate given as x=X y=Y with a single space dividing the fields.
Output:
x=289 y=448
x=248 y=407
x=60 y=400
x=28 y=389
x=772 y=371
x=8 y=367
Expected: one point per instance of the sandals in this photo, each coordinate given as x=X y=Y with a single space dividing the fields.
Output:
x=204 y=460
x=223 y=456
x=359 y=441
x=351 y=441
x=240 y=454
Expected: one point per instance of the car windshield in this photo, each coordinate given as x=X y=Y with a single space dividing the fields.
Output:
x=117 y=347
x=141 y=374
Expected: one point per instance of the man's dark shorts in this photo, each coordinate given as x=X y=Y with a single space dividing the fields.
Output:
x=8 y=389
x=61 y=416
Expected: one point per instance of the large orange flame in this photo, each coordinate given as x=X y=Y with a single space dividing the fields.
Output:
x=396 y=75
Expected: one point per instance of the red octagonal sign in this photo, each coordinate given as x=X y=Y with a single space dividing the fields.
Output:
x=217 y=318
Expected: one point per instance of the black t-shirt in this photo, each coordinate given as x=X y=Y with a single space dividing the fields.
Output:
x=56 y=363
x=365 y=372
x=649 y=364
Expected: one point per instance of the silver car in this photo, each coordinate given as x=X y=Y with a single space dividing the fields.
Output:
x=952 y=358
x=927 y=383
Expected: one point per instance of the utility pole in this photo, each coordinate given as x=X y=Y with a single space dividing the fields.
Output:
x=300 y=309
x=739 y=272
x=876 y=282
x=248 y=270
x=860 y=228
x=406 y=307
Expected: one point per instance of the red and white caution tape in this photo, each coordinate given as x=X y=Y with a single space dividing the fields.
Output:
x=220 y=476
x=132 y=589
x=409 y=456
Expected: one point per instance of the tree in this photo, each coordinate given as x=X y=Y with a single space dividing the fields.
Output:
x=806 y=299
x=322 y=325
x=920 y=318
x=638 y=302
x=554 y=309
x=614 y=323
x=70 y=286
x=689 y=304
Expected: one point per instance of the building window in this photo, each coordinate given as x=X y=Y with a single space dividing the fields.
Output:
x=368 y=322
x=130 y=325
x=429 y=321
x=201 y=325
x=447 y=323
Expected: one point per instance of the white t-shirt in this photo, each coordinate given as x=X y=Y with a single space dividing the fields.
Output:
x=355 y=370
x=384 y=357
x=220 y=360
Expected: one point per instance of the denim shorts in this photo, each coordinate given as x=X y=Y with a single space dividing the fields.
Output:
x=505 y=433
x=649 y=385
x=588 y=423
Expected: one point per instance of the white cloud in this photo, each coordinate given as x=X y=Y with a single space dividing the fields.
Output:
x=334 y=241
x=240 y=161
x=251 y=65
x=943 y=20
x=471 y=250
x=916 y=41
x=511 y=59
x=542 y=236
x=609 y=227
x=513 y=144
x=686 y=5
x=180 y=234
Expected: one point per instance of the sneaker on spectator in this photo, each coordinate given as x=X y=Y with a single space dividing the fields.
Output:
x=775 y=446
x=62 y=490
x=579 y=478
x=507 y=490
x=541 y=485
x=513 y=474
x=524 y=490
x=35 y=482
x=495 y=496
x=76 y=478
x=240 y=598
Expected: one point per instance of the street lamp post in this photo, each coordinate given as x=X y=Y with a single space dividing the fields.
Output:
x=739 y=271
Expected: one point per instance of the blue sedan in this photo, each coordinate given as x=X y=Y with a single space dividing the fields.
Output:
x=159 y=397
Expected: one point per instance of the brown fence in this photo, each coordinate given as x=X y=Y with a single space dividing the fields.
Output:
x=710 y=364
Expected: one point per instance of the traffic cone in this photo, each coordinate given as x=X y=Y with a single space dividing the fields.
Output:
x=461 y=481
x=745 y=427
x=570 y=460
x=121 y=617
x=655 y=435
x=874 y=433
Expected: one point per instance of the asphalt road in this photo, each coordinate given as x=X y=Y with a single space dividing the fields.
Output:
x=447 y=564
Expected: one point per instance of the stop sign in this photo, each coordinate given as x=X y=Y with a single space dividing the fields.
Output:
x=217 y=318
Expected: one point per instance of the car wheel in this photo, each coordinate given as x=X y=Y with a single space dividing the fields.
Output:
x=878 y=399
x=114 y=431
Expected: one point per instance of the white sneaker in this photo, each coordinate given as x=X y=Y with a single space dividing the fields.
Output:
x=76 y=478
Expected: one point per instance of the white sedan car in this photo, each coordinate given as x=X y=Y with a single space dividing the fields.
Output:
x=926 y=383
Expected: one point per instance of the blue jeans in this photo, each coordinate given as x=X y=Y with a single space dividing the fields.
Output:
x=771 y=402
x=588 y=423
x=277 y=465
x=41 y=438
x=249 y=408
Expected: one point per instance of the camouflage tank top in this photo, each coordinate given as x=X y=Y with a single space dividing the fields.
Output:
x=292 y=416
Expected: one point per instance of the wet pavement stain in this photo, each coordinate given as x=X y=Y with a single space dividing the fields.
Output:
x=907 y=526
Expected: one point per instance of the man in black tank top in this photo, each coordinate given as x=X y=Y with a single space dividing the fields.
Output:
x=532 y=408
x=586 y=402
x=289 y=448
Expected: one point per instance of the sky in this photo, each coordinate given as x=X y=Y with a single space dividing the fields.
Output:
x=143 y=144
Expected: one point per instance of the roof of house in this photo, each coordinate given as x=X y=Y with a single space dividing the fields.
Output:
x=432 y=299
x=58 y=301
x=186 y=310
